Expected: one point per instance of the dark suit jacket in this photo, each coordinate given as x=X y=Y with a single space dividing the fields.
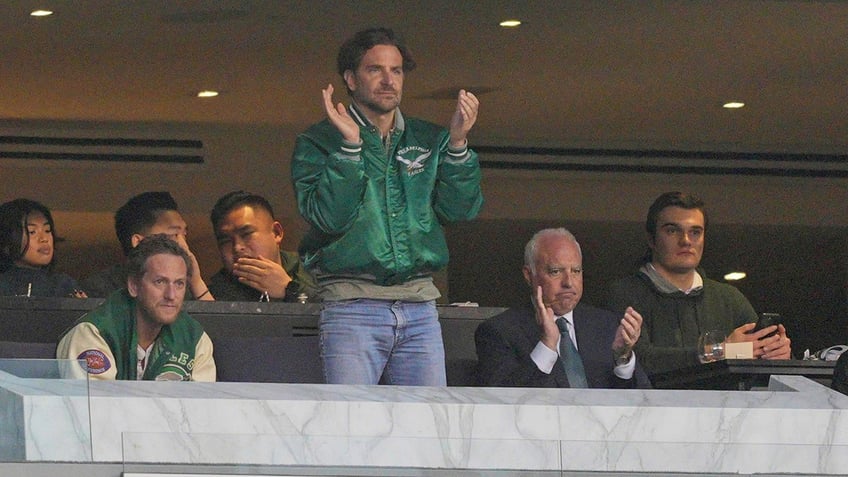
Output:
x=840 y=374
x=504 y=343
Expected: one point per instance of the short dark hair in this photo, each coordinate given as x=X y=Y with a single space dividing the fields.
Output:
x=234 y=199
x=670 y=199
x=13 y=240
x=352 y=50
x=139 y=214
x=154 y=245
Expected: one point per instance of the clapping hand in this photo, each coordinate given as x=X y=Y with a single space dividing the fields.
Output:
x=339 y=117
x=463 y=118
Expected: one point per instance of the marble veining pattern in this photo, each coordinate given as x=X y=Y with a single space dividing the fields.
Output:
x=803 y=427
x=44 y=419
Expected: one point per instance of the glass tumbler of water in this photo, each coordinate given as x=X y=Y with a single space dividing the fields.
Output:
x=711 y=346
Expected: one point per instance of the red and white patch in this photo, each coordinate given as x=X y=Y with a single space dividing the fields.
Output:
x=96 y=361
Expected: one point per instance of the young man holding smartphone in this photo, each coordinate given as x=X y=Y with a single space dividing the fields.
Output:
x=677 y=302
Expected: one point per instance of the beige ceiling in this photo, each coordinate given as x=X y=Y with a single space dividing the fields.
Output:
x=602 y=74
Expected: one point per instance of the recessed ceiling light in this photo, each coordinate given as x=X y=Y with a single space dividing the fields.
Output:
x=207 y=94
x=733 y=105
x=510 y=23
x=41 y=13
x=733 y=276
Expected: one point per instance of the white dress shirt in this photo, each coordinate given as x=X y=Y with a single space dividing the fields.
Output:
x=545 y=358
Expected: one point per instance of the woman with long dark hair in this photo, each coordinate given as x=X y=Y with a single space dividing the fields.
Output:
x=27 y=239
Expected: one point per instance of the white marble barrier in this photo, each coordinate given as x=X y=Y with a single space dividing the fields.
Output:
x=43 y=418
x=799 y=426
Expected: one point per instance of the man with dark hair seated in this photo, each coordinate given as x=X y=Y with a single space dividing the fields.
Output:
x=677 y=300
x=255 y=267
x=146 y=214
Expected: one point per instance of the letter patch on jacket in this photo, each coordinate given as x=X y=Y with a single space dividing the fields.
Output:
x=178 y=368
x=96 y=361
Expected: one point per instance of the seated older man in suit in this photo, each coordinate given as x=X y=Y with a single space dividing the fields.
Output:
x=559 y=342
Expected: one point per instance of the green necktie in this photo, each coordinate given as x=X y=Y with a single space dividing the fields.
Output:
x=570 y=357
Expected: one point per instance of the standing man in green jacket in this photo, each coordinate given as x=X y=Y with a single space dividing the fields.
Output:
x=376 y=187
x=141 y=332
x=677 y=302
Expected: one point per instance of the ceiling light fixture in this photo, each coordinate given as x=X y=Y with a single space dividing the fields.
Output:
x=207 y=94
x=734 y=276
x=510 y=23
x=733 y=105
x=41 y=13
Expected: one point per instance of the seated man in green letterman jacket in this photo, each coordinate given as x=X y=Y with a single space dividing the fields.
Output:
x=141 y=332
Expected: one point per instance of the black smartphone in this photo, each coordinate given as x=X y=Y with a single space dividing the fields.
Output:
x=766 y=320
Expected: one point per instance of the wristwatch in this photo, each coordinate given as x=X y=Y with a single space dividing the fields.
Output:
x=624 y=359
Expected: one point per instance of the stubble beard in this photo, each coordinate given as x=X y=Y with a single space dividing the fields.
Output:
x=378 y=104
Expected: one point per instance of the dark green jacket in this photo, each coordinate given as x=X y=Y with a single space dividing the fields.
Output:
x=376 y=211
x=225 y=287
x=672 y=322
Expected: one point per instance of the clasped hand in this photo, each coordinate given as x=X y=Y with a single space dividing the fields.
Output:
x=262 y=274
x=778 y=346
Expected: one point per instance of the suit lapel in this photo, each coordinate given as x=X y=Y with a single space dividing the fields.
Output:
x=580 y=331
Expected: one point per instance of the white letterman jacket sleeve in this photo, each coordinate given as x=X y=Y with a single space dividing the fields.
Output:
x=83 y=339
x=204 y=364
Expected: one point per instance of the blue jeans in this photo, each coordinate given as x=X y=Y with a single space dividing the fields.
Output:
x=377 y=341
